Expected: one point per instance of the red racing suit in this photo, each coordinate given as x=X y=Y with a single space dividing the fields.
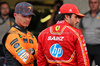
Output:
x=62 y=45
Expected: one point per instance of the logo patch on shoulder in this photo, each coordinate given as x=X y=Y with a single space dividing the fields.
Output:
x=16 y=45
x=15 y=40
x=57 y=28
x=25 y=40
x=56 y=50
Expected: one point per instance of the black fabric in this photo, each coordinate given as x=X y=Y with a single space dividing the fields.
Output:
x=4 y=38
x=94 y=54
x=33 y=51
x=22 y=29
x=2 y=61
x=1 y=51
x=10 y=60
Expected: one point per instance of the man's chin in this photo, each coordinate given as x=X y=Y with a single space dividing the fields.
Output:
x=26 y=26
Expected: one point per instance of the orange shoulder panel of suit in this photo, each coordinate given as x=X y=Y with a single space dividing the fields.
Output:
x=15 y=31
x=35 y=44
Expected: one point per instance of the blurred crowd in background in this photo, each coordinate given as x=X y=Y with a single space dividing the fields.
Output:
x=44 y=18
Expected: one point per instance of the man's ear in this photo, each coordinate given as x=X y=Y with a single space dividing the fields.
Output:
x=66 y=17
x=15 y=15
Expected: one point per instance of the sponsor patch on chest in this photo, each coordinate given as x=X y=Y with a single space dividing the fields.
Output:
x=15 y=40
x=21 y=52
x=18 y=49
x=16 y=45
x=56 y=50
x=30 y=41
x=25 y=40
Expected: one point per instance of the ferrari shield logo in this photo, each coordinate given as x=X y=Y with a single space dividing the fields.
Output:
x=57 y=28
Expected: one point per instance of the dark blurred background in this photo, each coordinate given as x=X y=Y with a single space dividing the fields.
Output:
x=42 y=9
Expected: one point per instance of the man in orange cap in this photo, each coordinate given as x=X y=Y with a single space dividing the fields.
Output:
x=62 y=44
x=19 y=45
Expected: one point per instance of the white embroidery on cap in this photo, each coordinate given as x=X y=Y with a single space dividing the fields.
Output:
x=70 y=10
x=59 y=12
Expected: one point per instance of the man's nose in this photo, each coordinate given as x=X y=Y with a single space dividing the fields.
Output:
x=27 y=18
x=78 y=20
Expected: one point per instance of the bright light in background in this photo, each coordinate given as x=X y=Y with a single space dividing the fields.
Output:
x=45 y=19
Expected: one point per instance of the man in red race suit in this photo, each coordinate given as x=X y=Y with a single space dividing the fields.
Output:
x=62 y=44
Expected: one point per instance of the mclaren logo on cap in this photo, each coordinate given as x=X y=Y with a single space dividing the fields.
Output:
x=29 y=7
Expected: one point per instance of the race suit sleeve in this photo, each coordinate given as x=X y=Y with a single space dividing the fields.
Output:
x=81 y=51
x=41 y=58
x=17 y=48
x=35 y=47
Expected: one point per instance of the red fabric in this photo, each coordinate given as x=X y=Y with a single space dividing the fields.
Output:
x=70 y=8
x=62 y=45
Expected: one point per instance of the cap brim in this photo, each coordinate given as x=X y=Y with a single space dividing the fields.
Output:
x=27 y=14
x=80 y=15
